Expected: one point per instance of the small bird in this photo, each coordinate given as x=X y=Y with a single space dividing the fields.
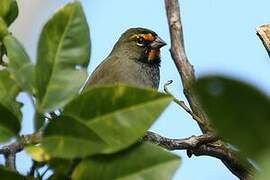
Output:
x=134 y=60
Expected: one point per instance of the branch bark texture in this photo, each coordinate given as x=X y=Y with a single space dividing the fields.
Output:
x=204 y=145
x=181 y=61
x=218 y=149
x=180 y=144
x=263 y=32
x=11 y=150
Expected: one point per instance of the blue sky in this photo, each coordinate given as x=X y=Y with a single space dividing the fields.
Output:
x=220 y=37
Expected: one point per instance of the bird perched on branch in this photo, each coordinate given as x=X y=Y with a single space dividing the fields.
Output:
x=134 y=60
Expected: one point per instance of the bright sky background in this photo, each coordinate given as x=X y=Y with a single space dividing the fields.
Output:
x=220 y=38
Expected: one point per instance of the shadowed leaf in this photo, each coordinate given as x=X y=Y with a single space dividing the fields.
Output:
x=240 y=112
x=10 y=175
x=8 y=10
x=264 y=161
x=10 y=114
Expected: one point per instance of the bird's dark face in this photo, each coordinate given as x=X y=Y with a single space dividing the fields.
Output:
x=141 y=44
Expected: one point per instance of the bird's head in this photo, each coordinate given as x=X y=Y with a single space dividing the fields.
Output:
x=140 y=44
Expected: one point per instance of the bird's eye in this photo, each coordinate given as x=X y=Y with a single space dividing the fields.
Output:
x=140 y=41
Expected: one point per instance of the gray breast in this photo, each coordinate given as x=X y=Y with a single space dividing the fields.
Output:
x=149 y=75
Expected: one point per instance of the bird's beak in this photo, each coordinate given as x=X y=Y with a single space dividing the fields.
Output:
x=157 y=43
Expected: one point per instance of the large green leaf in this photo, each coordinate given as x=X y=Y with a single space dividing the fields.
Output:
x=10 y=114
x=8 y=10
x=240 y=112
x=20 y=65
x=69 y=138
x=10 y=175
x=264 y=172
x=63 y=55
x=114 y=116
x=143 y=161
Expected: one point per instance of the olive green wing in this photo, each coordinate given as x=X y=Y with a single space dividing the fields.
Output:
x=105 y=73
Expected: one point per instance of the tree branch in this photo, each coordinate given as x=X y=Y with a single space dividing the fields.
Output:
x=232 y=159
x=179 y=144
x=204 y=146
x=10 y=151
x=10 y=159
x=181 y=103
x=263 y=32
x=184 y=68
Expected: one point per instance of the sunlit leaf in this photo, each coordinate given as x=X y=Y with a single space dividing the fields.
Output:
x=104 y=120
x=69 y=138
x=20 y=65
x=143 y=161
x=37 y=153
x=8 y=10
x=63 y=55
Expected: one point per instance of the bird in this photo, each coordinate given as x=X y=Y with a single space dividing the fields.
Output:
x=134 y=60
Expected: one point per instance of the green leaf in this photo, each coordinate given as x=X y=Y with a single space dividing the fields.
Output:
x=9 y=124
x=8 y=10
x=68 y=138
x=8 y=93
x=57 y=176
x=114 y=116
x=143 y=161
x=240 y=112
x=10 y=114
x=264 y=172
x=20 y=65
x=61 y=166
x=3 y=30
x=37 y=153
x=63 y=55
x=10 y=175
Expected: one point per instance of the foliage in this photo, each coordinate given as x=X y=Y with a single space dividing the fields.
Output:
x=99 y=125
x=240 y=113
x=98 y=133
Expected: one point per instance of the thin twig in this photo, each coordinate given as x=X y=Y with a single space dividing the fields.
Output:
x=33 y=168
x=44 y=172
x=10 y=150
x=181 y=103
x=22 y=142
x=180 y=144
x=10 y=159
